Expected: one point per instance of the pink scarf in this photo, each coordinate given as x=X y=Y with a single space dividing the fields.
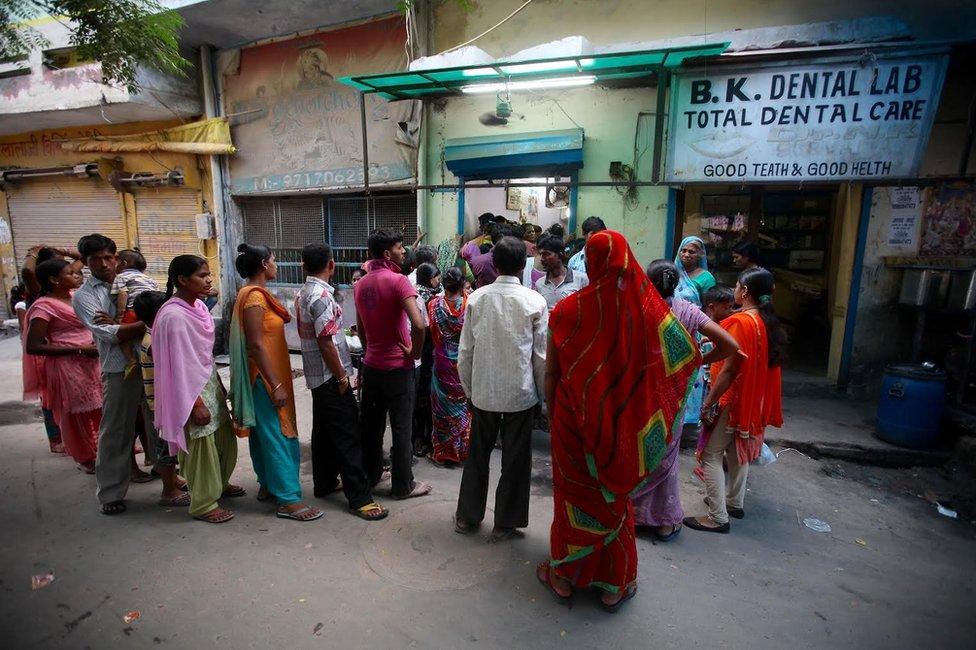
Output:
x=182 y=349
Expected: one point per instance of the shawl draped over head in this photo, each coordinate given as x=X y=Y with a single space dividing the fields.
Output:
x=687 y=290
x=241 y=382
x=182 y=345
x=626 y=367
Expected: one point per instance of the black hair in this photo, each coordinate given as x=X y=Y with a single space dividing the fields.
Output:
x=484 y=248
x=147 y=305
x=557 y=230
x=452 y=280
x=663 y=274
x=748 y=249
x=95 y=243
x=47 y=271
x=46 y=254
x=500 y=231
x=551 y=244
x=719 y=294
x=426 y=273
x=316 y=257
x=133 y=259
x=250 y=258
x=382 y=240
x=424 y=255
x=484 y=220
x=593 y=224
x=182 y=266
x=18 y=293
x=509 y=256
x=760 y=284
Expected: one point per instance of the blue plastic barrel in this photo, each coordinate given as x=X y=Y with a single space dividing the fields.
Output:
x=911 y=405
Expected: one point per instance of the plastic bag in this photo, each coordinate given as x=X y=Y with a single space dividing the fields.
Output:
x=766 y=457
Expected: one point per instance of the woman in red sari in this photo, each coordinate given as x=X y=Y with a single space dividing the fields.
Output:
x=70 y=376
x=619 y=366
x=744 y=398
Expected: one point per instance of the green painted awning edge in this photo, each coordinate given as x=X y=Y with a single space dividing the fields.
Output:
x=412 y=84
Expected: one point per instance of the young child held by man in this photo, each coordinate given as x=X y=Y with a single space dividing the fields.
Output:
x=130 y=281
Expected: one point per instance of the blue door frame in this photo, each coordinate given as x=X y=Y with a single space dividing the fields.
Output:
x=573 y=203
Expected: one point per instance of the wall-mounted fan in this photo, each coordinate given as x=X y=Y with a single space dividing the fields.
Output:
x=557 y=196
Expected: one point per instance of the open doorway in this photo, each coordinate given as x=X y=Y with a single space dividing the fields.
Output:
x=544 y=205
x=793 y=230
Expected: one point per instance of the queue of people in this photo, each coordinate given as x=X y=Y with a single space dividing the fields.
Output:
x=462 y=352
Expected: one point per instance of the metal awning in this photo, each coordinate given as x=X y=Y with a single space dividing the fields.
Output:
x=414 y=84
x=541 y=153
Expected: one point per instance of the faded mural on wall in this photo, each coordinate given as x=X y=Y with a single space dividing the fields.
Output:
x=297 y=127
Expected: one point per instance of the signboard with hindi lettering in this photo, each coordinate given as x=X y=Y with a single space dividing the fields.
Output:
x=849 y=120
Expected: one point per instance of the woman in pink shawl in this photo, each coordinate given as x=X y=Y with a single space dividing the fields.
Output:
x=191 y=404
x=69 y=375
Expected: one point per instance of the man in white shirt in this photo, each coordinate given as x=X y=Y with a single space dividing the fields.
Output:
x=559 y=281
x=501 y=363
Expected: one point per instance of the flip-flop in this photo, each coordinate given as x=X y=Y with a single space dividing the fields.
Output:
x=675 y=529
x=630 y=592
x=296 y=515
x=113 y=508
x=419 y=489
x=370 y=512
x=232 y=491
x=216 y=516
x=86 y=470
x=181 y=501
x=547 y=582
x=504 y=534
x=462 y=527
x=264 y=496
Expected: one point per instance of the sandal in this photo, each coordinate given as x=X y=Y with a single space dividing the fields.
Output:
x=629 y=593
x=142 y=477
x=675 y=529
x=113 y=508
x=501 y=534
x=57 y=447
x=694 y=524
x=87 y=468
x=216 y=516
x=306 y=513
x=370 y=512
x=462 y=527
x=419 y=489
x=181 y=501
x=264 y=495
x=232 y=491
x=544 y=569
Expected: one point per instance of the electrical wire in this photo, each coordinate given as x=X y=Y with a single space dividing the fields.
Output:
x=493 y=27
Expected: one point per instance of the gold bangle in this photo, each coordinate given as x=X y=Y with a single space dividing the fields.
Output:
x=277 y=387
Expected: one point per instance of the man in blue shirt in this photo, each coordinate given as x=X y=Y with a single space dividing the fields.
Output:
x=590 y=225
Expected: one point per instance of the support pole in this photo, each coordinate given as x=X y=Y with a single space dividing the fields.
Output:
x=362 y=122
x=663 y=79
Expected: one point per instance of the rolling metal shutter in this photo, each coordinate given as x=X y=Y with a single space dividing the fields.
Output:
x=167 y=226
x=59 y=212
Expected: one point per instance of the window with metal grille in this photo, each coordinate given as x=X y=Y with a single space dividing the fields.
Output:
x=286 y=224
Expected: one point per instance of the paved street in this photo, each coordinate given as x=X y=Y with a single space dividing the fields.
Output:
x=892 y=573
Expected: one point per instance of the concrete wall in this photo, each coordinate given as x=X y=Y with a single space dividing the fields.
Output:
x=609 y=119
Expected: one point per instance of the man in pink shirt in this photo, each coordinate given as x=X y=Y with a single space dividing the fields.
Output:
x=392 y=332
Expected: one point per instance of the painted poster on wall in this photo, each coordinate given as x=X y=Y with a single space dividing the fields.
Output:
x=298 y=128
x=905 y=210
x=851 y=120
x=947 y=222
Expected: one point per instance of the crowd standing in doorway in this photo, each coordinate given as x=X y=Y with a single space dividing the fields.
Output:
x=465 y=346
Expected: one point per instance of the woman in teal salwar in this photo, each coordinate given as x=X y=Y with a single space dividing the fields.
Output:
x=694 y=278
x=261 y=385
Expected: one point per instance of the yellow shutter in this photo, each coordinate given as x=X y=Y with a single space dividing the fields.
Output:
x=167 y=226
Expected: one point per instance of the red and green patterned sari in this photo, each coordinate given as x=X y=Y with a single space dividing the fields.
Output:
x=626 y=367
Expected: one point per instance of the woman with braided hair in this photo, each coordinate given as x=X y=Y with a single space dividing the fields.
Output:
x=190 y=401
x=744 y=397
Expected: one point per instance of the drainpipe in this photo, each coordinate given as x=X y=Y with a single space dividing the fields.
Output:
x=219 y=190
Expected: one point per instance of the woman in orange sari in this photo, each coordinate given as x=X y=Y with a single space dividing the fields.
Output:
x=743 y=399
x=619 y=366
x=262 y=392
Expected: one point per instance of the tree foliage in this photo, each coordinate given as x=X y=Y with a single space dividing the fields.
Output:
x=121 y=34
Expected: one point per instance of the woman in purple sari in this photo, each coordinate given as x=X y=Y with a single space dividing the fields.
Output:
x=448 y=403
x=657 y=505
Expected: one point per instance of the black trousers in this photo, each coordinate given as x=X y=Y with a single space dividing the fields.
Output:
x=512 y=495
x=388 y=391
x=423 y=420
x=337 y=445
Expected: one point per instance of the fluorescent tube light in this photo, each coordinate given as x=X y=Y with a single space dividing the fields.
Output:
x=534 y=84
